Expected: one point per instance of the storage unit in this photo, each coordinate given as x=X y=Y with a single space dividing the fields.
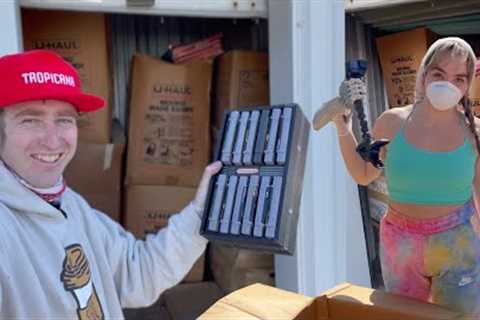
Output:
x=364 y=26
x=307 y=49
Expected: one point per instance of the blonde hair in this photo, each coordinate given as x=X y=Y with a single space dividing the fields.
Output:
x=457 y=48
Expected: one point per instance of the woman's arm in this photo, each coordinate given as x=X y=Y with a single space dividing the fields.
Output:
x=351 y=90
x=360 y=170
x=385 y=127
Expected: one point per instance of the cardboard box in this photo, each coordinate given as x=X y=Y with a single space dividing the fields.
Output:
x=190 y=300
x=242 y=80
x=259 y=275
x=344 y=302
x=157 y=311
x=234 y=268
x=103 y=162
x=400 y=57
x=185 y=301
x=148 y=209
x=169 y=140
x=81 y=39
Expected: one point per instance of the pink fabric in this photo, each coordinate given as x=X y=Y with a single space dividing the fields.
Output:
x=435 y=260
x=430 y=226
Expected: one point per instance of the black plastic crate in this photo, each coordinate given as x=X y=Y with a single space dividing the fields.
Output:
x=254 y=201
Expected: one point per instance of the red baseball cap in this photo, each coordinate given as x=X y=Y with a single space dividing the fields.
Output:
x=41 y=75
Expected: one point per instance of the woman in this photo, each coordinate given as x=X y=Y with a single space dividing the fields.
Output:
x=429 y=249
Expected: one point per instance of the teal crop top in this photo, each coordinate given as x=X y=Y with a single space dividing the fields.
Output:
x=419 y=176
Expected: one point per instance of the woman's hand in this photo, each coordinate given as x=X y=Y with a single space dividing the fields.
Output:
x=202 y=190
x=343 y=120
x=350 y=91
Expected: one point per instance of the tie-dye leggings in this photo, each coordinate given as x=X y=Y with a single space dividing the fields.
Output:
x=435 y=260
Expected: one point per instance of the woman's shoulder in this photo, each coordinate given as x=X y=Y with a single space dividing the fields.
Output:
x=397 y=114
x=391 y=121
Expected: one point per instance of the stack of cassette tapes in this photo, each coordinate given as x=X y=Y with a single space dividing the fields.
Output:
x=254 y=201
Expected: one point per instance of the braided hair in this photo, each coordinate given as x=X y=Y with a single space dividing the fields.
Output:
x=470 y=119
x=457 y=48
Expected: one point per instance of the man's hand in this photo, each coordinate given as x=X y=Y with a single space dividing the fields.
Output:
x=201 y=195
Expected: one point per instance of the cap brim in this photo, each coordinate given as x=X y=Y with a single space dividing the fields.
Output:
x=82 y=102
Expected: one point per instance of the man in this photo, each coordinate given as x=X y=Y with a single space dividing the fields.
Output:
x=60 y=258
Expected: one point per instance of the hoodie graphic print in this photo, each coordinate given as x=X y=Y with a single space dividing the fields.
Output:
x=77 y=280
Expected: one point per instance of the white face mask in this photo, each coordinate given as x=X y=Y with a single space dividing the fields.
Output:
x=443 y=95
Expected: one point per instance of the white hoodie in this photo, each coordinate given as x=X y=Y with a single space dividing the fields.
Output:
x=85 y=265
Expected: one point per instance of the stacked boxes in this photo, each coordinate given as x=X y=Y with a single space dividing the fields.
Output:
x=81 y=39
x=400 y=57
x=234 y=268
x=105 y=163
x=185 y=301
x=242 y=81
x=169 y=142
x=148 y=209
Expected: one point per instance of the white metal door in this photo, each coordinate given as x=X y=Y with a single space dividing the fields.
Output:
x=307 y=56
x=10 y=27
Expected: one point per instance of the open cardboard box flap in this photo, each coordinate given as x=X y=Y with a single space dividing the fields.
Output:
x=343 y=302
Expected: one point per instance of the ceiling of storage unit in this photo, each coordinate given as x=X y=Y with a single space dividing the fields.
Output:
x=187 y=8
x=432 y=12
x=360 y=5
x=462 y=25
